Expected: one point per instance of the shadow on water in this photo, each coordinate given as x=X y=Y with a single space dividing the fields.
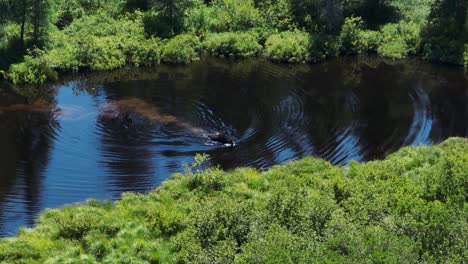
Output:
x=27 y=133
x=129 y=130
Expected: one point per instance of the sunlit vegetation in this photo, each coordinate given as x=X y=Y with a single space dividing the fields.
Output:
x=288 y=47
x=181 y=49
x=409 y=208
x=232 y=44
x=77 y=35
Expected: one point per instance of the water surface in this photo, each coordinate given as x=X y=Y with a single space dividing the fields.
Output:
x=99 y=135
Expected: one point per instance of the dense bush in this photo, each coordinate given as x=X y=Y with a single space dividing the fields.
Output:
x=408 y=208
x=105 y=34
x=278 y=14
x=355 y=40
x=393 y=44
x=465 y=55
x=200 y=20
x=68 y=11
x=96 y=42
x=34 y=69
x=400 y=39
x=235 y=15
x=232 y=44
x=349 y=35
x=142 y=52
x=100 y=53
x=369 y=41
x=288 y=47
x=181 y=49
x=324 y=46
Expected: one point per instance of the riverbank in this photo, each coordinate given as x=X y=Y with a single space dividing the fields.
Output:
x=410 y=207
x=88 y=37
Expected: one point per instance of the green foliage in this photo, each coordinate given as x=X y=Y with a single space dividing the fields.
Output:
x=68 y=11
x=395 y=48
x=201 y=20
x=349 y=35
x=446 y=32
x=166 y=17
x=10 y=45
x=109 y=34
x=369 y=41
x=235 y=15
x=465 y=55
x=324 y=46
x=142 y=52
x=393 y=43
x=181 y=49
x=18 y=251
x=288 y=46
x=355 y=40
x=408 y=208
x=100 y=53
x=33 y=70
x=415 y=10
x=232 y=44
x=278 y=14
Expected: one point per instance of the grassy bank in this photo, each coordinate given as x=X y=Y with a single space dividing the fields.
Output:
x=410 y=207
x=82 y=35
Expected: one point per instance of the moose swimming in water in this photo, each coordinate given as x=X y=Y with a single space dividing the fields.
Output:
x=127 y=107
x=222 y=138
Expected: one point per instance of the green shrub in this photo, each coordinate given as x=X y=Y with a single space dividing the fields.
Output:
x=465 y=55
x=393 y=43
x=442 y=49
x=349 y=36
x=103 y=24
x=18 y=250
x=34 y=70
x=369 y=41
x=232 y=44
x=355 y=40
x=411 y=33
x=141 y=52
x=278 y=14
x=68 y=11
x=324 y=46
x=157 y=24
x=201 y=20
x=276 y=245
x=445 y=33
x=235 y=15
x=288 y=47
x=181 y=49
x=62 y=53
x=100 y=53
x=100 y=42
x=400 y=40
x=165 y=219
x=77 y=222
x=395 y=48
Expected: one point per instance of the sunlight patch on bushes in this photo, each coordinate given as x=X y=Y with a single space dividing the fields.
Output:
x=235 y=15
x=34 y=70
x=288 y=46
x=232 y=44
x=181 y=49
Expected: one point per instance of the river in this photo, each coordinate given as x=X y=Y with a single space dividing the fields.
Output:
x=99 y=135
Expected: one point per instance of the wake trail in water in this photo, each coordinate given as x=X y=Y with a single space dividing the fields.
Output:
x=149 y=112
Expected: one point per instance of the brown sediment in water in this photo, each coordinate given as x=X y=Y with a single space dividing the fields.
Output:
x=147 y=111
x=41 y=106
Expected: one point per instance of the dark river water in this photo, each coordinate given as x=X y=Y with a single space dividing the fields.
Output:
x=99 y=135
